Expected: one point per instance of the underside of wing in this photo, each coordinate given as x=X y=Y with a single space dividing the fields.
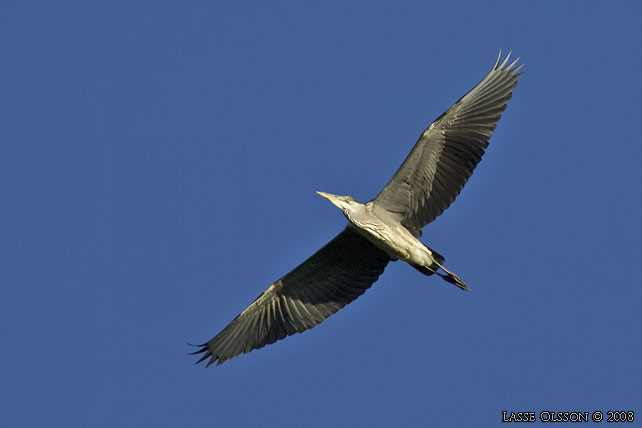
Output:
x=448 y=151
x=334 y=276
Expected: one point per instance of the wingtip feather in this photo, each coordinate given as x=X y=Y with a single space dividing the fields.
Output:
x=517 y=69
x=512 y=64
x=497 y=60
x=505 y=60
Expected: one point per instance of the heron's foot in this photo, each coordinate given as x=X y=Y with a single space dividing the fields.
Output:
x=453 y=279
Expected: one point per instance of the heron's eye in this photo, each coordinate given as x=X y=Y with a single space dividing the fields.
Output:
x=348 y=199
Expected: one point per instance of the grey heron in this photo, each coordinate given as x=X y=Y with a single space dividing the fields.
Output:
x=385 y=229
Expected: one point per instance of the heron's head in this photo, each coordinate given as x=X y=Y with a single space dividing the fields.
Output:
x=347 y=203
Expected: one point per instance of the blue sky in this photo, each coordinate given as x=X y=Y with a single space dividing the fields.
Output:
x=158 y=163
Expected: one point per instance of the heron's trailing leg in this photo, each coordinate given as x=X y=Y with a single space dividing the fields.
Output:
x=452 y=278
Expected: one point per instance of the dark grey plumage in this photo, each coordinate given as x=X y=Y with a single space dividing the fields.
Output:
x=384 y=229
x=448 y=151
x=334 y=276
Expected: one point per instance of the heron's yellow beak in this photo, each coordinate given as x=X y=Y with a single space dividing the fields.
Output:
x=332 y=198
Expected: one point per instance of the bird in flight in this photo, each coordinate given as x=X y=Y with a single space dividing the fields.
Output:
x=385 y=229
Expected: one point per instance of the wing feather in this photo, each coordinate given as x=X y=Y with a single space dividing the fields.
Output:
x=447 y=152
x=334 y=276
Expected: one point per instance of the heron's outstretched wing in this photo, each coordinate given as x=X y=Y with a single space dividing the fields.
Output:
x=445 y=155
x=334 y=276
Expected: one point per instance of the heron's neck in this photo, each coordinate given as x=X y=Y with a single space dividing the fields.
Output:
x=357 y=215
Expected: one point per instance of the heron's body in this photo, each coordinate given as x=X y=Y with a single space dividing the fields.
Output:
x=385 y=229
x=388 y=236
x=396 y=241
x=385 y=232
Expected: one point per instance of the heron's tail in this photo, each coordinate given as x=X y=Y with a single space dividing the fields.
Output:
x=438 y=264
x=426 y=271
x=429 y=270
x=440 y=259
